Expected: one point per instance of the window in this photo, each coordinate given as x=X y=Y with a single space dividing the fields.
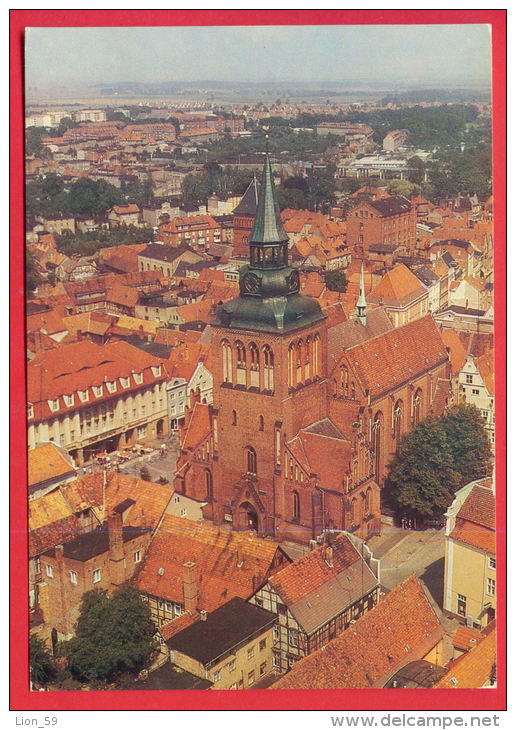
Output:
x=125 y=382
x=49 y=570
x=397 y=421
x=73 y=577
x=54 y=404
x=268 y=368
x=293 y=637
x=251 y=460
x=156 y=370
x=263 y=668
x=250 y=678
x=97 y=390
x=282 y=609
x=261 y=423
x=469 y=379
x=183 y=511
x=276 y=659
x=142 y=431
x=491 y=586
x=276 y=633
x=37 y=565
x=475 y=391
x=234 y=418
x=30 y=410
x=262 y=644
x=68 y=399
x=250 y=653
x=138 y=379
x=492 y=563
x=96 y=575
x=137 y=556
x=177 y=609
x=296 y=511
x=461 y=604
x=290 y=661
x=227 y=362
x=232 y=665
x=217 y=676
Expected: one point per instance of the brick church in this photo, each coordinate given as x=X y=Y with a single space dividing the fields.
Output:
x=305 y=416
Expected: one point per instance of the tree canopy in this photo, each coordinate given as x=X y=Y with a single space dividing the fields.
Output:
x=335 y=280
x=42 y=666
x=114 y=635
x=438 y=457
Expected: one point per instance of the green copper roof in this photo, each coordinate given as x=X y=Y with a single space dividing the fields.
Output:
x=267 y=225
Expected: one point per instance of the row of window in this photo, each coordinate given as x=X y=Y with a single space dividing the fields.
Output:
x=98 y=391
x=303 y=360
x=252 y=367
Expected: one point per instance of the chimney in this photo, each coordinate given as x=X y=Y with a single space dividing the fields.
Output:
x=190 y=591
x=204 y=615
x=116 y=548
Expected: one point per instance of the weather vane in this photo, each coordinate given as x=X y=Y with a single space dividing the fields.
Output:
x=266 y=128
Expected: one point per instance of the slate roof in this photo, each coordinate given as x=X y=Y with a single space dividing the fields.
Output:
x=95 y=542
x=268 y=227
x=248 y=205
x=402 y=628
x=394 y=205
x=229 y=626
x=168 y=677
x=160 y=252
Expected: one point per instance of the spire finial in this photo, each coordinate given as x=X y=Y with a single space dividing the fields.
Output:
x=362 y=303
x=266 y=128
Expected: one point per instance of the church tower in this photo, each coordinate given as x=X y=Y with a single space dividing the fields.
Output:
x=269 y=370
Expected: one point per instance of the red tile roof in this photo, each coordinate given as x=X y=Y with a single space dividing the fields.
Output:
x=466 y=638
x=408 y=350
x=228 y=563
x=473 y=669
x=475 y=521
x=397 y=287
x=403 y=627
x=56 y=533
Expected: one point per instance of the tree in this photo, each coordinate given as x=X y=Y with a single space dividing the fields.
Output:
x=403 y=187
x=336 y=280
x=114 y=635
x=438 y=457
x=421 y=480
x=42 y=665
x=31 y=273
x=468 y=442
x=93 y=197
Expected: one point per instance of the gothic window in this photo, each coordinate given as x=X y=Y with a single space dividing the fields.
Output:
x=208 y=483
x=398 y=417
x=377 y=442
x=296 y=507
x=227 y=362
x=254 y=365
x=240 y=363
x=352 y=393
x=344 y=381
x=369 y=501
x=299 y=362
x=250 y=457
x=268 y=368
x=234 y=418
x=418 y=397
x=261 y=423
x=317 y=340
x=291 y=365
x=309 y=371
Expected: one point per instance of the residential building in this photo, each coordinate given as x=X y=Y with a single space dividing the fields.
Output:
x=48 y=465
x=124 y=215
x=197 y=231
x=476 y=386
x=395 y=139
x=383 y=221
x=159 y=257
x=404 y=627
x=319 y=596
x=231 y=647
x=475 y=669
x=470 y=555
x=89 y=398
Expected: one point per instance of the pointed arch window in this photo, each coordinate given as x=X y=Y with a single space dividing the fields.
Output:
x=234 y=418
x=240 y=363
x=254 y=365
x=344 y=381
x=227 y=362
x=398 y=421
x=377 y=442
x=317 y=342
x=296 y=506
x=268 y=368
x=299 y=362
x=416 y=406
x=291 y=365
x=250 y=460
x=352 y=391
x=208 y=481
x=309 y=371
x=261 y=423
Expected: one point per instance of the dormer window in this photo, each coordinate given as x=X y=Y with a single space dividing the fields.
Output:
x=69 y=400
x=111 y=386
x=84 y=395
x=125 y=382
x=138 y=378
x=97 y=391
x=30 y=410
x=156 y=370
x=54 y=404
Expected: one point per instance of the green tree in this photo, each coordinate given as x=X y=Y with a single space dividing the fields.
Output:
x=93 y=197
x=403 y=187
x=421 y=480
x=114 y=635
x=468 y=442
x=336 y=280
x=42 y=666
x=31 y=273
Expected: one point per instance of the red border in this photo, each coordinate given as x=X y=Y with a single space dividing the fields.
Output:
x=388 y=700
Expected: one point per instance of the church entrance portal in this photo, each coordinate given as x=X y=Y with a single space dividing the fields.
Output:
x=248 y=517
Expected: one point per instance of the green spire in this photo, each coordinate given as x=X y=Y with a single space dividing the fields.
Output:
x=268 y=228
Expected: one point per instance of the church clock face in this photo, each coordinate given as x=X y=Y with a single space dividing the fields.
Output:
x=251 y=284
x=293 y=281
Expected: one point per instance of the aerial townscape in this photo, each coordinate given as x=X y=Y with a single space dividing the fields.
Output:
x=260 y=389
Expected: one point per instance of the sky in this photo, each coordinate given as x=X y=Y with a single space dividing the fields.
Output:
x=408 y=55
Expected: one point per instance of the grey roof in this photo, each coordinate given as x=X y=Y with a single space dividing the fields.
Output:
x=249 y=202
x=425 y=275
x=169 y=677
x=224 y=629
x=333 y=597
x=325 y=427
x=350 y=333
x=391 y=206
x=268 y=227
x=163 y=253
